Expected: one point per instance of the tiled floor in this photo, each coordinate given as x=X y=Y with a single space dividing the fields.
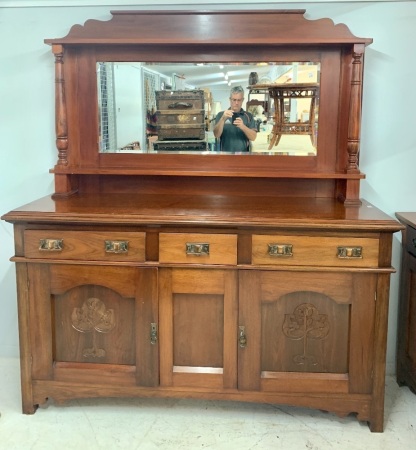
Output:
x=188 y=424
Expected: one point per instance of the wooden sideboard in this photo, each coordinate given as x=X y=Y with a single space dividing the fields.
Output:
x=277 y=307
x=256 y=278
x=406 y=336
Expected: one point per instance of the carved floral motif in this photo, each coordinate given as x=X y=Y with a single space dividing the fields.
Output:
x=93 y=317
x=305 y=323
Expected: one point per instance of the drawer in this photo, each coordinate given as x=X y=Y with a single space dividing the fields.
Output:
x=191 y=131
x=197 y=248
x=85 y=245
x=411 y=240
x=314 y=251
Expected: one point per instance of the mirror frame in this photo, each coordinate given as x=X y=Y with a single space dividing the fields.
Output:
x=199 y=36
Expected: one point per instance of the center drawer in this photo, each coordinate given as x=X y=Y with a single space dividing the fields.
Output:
x=197 y=248
x=337 y=251
x=85 y=245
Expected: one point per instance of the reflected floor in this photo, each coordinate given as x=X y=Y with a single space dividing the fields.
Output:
x=300 y=145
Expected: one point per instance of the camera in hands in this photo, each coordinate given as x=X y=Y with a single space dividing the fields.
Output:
x=236 y=115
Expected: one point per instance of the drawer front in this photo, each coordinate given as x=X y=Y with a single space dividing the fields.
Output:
x=85 y=245
x=191 y=131
x=197 y=248
x=411 y=240
x=314 y=251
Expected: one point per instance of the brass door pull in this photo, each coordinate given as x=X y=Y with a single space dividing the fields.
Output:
x=242 y=339
x=51 y=245
x=280 y=250
x=197 y=249
x=153 y=333
x=116 y=246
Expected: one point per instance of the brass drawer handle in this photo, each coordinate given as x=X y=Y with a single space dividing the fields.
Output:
x=280 y=249
x=51 y=245
x=350 y=252
x=197 y=249
x=116 y=246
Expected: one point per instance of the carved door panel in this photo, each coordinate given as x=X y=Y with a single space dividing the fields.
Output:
x=95 y=323
x=198 y=326
x=306 y=331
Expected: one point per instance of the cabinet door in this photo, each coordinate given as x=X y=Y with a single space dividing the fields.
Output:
x=306 y=331
x=198 y=323
x=94 y=323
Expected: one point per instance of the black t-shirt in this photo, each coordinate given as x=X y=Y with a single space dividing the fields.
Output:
x=232 y=138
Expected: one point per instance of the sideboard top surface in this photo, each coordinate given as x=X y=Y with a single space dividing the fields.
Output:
x=204 y=210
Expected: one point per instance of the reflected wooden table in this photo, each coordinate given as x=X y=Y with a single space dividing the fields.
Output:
x=280 y=93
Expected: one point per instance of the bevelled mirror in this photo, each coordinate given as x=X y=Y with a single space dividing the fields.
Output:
x=283 y=98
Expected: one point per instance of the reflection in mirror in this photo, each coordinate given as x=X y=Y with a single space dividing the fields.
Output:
x=173 y=107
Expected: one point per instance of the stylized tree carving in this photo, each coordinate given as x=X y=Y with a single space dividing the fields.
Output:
x=93 y=317
x=305 y=323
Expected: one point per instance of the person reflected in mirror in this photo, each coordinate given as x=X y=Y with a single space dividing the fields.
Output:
x=234 y=127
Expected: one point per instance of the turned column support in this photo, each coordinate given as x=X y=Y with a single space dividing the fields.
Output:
x=61 y=124
x=354 y=127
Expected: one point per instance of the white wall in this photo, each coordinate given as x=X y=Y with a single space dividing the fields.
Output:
x=388 y=150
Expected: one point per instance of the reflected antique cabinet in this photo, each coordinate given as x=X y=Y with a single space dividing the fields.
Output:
x=406 y=335
x=260 y=278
